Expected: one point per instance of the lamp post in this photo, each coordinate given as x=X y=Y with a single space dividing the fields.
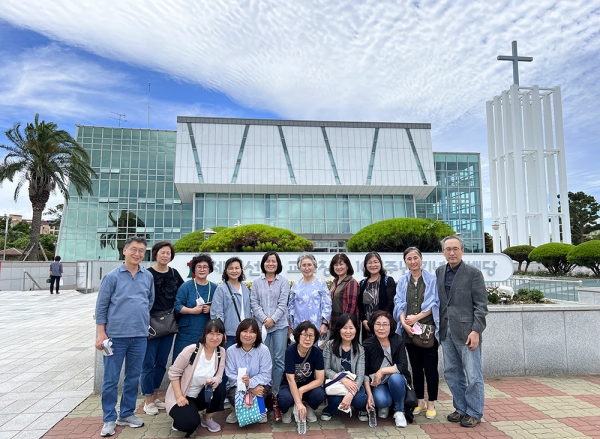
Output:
x=496 y=226
x=208 y=232
x=5 y=237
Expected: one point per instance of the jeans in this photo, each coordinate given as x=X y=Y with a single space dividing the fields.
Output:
x=313 y=398
x=279 y=340
x=359 y=402
x=392 y=391
x=155 y=363
x=463 y=372
x=54 y=280
x=131 y=350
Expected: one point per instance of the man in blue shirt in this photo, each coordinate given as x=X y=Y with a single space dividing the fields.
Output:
x=123 y=306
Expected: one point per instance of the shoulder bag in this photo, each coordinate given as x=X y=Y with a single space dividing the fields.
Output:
x=427 y=337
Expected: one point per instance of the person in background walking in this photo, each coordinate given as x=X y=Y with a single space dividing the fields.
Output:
x=56 y=272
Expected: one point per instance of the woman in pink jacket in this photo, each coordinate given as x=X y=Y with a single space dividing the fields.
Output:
x=197 y=368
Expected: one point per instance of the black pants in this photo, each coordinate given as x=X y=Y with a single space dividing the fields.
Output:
x=424 y=359
x=54 y=279
x=187 y=418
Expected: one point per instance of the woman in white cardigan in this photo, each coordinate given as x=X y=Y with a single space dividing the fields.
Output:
x=196 y=368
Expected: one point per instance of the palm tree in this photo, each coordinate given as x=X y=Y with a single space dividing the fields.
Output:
x=47 y=158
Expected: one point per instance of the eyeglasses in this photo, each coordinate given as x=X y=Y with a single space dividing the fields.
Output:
x=307 y=336
x=201 y=267
x=137 y=250
x=452 y=249
x=381 y=325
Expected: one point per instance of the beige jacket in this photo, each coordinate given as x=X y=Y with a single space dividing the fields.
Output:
x=183 y=371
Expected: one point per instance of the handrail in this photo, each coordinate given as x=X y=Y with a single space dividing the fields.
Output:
x=25 y=272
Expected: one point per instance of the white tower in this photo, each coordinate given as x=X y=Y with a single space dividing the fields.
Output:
x=528 y=172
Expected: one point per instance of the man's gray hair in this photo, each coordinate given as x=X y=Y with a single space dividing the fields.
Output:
x=462 y=243
x=306 y=256
x=138 y=239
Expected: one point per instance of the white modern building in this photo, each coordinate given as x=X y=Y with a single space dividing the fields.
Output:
x=324 y=180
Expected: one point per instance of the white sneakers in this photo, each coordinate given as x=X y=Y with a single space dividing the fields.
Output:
x=400 y=419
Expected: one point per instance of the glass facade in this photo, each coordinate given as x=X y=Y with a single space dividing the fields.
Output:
x=134 y=194
x=301 y=213
x=456 y=199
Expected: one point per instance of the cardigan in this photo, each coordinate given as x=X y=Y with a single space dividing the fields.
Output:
x=387 y=290
x=333 y=363
x=374 y=355
x=184 y=372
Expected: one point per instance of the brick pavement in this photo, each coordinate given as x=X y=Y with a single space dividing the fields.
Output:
x=532 y=407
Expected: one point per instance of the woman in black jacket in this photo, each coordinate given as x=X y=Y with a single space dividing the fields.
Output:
x=376 y=292
x=386 y=367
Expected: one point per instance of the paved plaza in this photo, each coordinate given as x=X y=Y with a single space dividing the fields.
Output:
x=46 y=380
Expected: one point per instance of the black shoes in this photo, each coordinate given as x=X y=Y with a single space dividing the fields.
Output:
x=455 y=417
x=469 y=421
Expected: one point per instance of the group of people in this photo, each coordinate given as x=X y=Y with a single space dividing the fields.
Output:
x=296 y=347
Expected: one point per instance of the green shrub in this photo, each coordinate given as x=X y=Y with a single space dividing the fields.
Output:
x=395 y=235
x=256 y=238
x=519 y=253
x=586 y=254
x=530 y=295
x=553 y=256
x=192 y=242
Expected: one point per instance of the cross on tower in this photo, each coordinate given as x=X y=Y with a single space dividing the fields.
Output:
x=515 y=58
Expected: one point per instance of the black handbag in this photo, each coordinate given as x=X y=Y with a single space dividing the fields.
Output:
x=427 y=338
x=410 y=399
x=162 y=323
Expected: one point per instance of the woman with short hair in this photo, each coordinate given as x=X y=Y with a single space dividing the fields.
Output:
x=302 y=386
x=344 y=291
x=376 y=291
x=196 y=368
x=249 y=353
x=167 y=281
x=386 y=367
x=231 y=302
x=269 y=301
x=192 y=303
x=309 y=297
x=417 y=302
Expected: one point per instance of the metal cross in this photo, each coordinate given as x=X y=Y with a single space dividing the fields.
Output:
x=515 y=58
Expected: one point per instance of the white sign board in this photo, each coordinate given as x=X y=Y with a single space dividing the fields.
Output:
x=496 y=267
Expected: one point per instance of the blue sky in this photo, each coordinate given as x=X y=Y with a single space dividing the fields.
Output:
x=76 y=62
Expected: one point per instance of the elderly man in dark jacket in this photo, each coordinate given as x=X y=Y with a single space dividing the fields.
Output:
x=463 y=307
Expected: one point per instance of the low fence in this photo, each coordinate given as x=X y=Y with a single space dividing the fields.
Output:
x=557 y=289
x=25 y=276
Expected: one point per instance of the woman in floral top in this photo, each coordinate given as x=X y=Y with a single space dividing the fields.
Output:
x=309 y=297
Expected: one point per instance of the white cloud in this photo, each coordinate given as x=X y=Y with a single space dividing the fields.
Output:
x=419 y=61
x=426 y=61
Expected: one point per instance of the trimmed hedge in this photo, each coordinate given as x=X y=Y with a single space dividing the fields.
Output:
x=192 y=242
x=519 y=253
x=553 y=256
x=256 y=238
x=586 y=254
x=395 y=235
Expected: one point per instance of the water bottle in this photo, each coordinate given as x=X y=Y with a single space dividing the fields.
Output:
x=301 y=422
x=276 y=410
x=372 y=418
